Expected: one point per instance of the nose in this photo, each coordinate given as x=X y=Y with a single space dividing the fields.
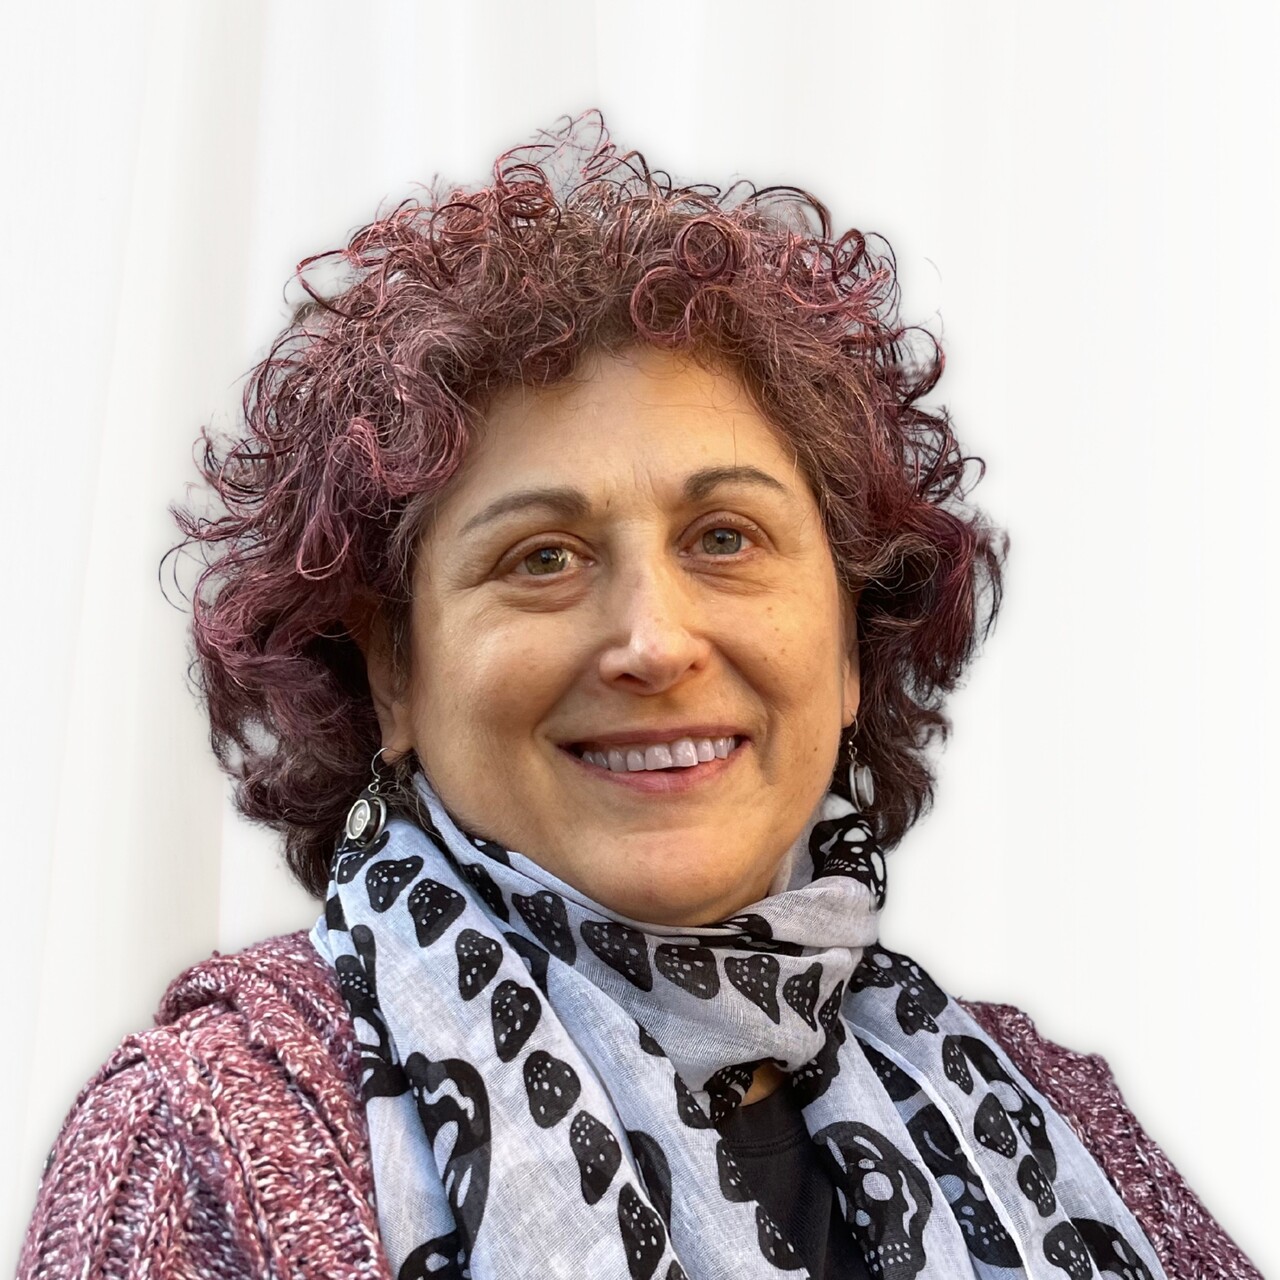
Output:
x=656 y=634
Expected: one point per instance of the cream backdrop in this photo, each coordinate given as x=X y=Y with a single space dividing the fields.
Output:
x=1083 y=197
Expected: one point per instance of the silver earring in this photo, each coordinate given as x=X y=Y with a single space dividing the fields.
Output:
x=862 y=785
x=367 y=817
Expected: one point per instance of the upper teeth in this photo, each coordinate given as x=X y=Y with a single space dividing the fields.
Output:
x=683 y=753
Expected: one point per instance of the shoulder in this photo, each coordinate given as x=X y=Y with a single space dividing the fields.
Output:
x=243 y=1093
x=280 y=992
x=1082 y=1089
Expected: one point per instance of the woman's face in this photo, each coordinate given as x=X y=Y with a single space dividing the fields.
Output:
x=629 y=565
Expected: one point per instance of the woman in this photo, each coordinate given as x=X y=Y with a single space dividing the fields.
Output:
x=605 y=519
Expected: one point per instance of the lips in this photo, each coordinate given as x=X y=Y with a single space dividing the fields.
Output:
x=645 y=737
x=653 y=779
x=651 y=750
x=640 y=757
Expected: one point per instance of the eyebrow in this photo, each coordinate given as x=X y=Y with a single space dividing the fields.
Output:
x=573 y=504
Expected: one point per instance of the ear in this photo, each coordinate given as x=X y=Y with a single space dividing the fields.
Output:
x=367 y=626
x=852 y=691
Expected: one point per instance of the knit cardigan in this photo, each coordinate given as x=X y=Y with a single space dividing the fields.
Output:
x=229 y=1140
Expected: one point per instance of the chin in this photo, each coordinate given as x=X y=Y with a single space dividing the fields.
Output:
x=674 y=900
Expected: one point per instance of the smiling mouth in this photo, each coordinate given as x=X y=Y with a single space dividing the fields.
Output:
x=657 y=757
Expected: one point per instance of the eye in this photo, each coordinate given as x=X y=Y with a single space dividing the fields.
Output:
x=722 y=541
x=731 y=539
x=555 y=559
x=545 y=561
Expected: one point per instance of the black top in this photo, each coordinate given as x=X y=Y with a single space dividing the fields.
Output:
x=784 y=1168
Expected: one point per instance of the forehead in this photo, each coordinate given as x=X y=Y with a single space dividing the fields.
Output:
x=647 y=374
x=645 y=416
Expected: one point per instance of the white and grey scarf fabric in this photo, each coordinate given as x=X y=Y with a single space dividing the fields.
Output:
x=543 y=1078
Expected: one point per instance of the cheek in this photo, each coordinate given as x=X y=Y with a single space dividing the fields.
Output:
x=799 y=651
x=488 y=677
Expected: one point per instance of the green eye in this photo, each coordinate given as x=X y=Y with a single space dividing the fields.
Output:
x=722 y=541
x=547 y=560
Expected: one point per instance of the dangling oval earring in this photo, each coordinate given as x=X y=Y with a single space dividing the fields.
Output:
x=367 y=817
x=862 y=785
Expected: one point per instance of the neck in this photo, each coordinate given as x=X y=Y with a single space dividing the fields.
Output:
x=766 y=1079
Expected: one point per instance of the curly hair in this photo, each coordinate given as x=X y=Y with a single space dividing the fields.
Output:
x=363 y=407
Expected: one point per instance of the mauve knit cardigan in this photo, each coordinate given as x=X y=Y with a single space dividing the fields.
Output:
x=229 y=1140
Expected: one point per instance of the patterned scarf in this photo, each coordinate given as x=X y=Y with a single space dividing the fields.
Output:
x=544 y=1079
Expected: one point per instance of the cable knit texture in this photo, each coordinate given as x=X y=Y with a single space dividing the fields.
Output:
x=229 y=1140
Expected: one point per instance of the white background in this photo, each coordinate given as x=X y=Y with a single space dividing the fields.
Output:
x=1082 y=198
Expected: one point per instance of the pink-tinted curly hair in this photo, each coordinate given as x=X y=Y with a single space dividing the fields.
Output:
x=362 y=411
